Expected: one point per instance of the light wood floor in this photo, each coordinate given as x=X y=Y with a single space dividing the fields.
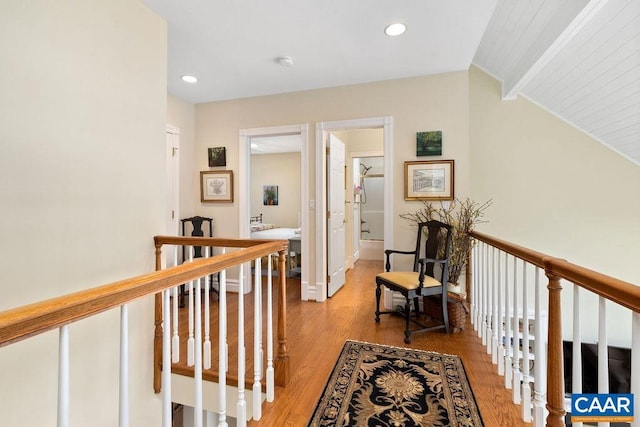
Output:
x=317 y=331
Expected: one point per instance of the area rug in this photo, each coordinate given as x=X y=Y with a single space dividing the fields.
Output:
x=379 y=385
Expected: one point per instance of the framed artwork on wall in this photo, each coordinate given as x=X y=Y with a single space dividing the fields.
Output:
x=217 y=156
x=216 y=186
x=270 y=195
x=429 y=143
x=429 y=180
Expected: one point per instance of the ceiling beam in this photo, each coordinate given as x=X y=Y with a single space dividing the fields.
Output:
x=555 y=37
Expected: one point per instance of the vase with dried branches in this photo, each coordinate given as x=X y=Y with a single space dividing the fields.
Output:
x=463 y=215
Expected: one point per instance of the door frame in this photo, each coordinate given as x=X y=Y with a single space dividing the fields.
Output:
x=244 y=186
x=322 y=129
x=172 y=141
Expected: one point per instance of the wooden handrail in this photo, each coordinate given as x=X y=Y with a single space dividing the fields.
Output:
x=23 y=322
x=615 y=290
x=618 y=291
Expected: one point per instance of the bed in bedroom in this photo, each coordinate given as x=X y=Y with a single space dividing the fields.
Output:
x=261 y=230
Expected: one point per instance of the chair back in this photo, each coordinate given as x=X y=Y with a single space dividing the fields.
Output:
x=437 y=245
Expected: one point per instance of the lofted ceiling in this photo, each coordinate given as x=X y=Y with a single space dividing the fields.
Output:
x=579 y=59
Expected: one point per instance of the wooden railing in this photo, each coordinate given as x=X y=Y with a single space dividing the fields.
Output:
x=489 y=296
x=24 y=322
x=282 y=373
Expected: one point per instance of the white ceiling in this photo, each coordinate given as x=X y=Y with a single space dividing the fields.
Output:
x=579 y=59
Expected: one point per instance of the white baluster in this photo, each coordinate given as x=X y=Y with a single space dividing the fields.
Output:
x=474 y=277
x=494 y=311
x=576 y=355
x=257 y=331
x=508 y=309
x=540 y=365
x=635 y=365
x=526 y=380
x=222 y=349
x=167 y=410
x=603 y=351
x=242 y=404
x=499 y=321
x=175 y=342
x=197 y=370
x=207 y=324
x=270 y=370
x=190 y=340
x=63 y=377
x=482 y=333
x=515 y=343
x=124 y=366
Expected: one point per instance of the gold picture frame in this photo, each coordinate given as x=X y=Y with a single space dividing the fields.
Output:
x=429 y=180
x=216 y=186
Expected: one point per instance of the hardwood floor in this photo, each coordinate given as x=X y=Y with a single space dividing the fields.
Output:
x=317 y=331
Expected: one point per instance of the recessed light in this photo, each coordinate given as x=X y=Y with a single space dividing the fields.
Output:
x=396 y=29
x=189 y=79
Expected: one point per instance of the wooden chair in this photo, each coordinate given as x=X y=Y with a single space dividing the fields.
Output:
x=196 y=225
x=421 y=281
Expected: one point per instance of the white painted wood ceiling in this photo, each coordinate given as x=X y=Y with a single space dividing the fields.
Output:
x=579 y=59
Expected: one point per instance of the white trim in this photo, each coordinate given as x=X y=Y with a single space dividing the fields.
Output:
x=322 y=128
x=244 y=184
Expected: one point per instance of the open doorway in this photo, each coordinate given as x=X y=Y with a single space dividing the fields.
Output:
x=278 y=141
x=368 y=207
x=323 y=130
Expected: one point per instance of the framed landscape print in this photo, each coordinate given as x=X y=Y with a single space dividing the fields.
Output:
x=216 y=186
x=429 y=143
x=429 y=180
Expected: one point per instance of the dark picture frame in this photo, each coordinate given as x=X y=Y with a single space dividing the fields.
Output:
x=217 y=156
x=429 y=143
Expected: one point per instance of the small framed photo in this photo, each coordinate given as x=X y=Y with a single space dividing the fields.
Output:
x=217 y=156
x=429 y=180
x=216 y=186
x=429 y=143
x=270 y=195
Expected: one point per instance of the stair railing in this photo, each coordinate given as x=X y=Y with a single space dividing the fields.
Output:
x=515 y=332
x=28 y=321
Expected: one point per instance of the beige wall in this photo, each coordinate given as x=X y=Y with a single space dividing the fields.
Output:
x=283 y=170
x=554 y=189
x=425 y=103
x=83 y=112
x=181 y=114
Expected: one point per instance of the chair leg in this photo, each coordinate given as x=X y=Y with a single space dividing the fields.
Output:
x=407 y=313
x=378 y=293
x=416 y=304
x=445 y=313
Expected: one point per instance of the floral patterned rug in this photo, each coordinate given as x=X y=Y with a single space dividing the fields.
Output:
x=379 y=385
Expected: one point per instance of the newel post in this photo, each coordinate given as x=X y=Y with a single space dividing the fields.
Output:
x=282 y=369
x=555 y=362
x=157 y=337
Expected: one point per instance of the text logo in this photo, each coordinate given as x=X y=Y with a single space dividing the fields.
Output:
x=601 y=407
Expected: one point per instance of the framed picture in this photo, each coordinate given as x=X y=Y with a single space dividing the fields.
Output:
x=216 y=186
x=429 y=143
x=217 y=156
x=428 y=180
x=270 y=195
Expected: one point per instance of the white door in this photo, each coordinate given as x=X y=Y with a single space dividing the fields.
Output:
x=173 y=144
x=335 y=214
